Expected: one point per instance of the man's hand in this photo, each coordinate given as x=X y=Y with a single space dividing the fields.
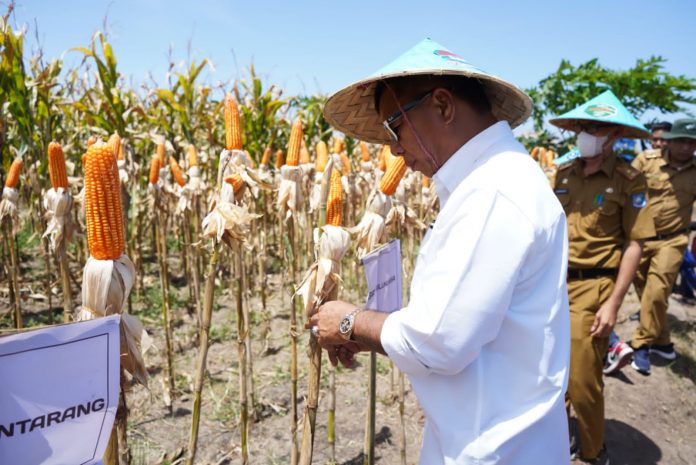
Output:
x=327 y=319
x=605 y=319
x=344 y=353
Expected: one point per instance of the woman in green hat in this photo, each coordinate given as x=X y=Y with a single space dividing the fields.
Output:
x=484 y=338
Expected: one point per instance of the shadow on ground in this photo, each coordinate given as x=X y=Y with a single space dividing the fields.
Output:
x=628 y=446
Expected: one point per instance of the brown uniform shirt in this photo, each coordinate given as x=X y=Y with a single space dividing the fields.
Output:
x=671 y=192
x=604 y=211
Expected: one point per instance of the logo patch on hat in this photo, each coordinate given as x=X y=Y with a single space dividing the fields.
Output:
x=601 y=110
x=690 y=127
x=446 y=55
x=639 y=200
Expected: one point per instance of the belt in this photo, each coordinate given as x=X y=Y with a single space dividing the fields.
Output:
x=590 y=273
x=662 y=237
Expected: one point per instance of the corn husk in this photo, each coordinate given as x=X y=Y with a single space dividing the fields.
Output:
x=105 y=288
x=8 y=207
x=290 y=192
x=59 y=228
x=370 y=233
x=228 y=221
x=322 y=278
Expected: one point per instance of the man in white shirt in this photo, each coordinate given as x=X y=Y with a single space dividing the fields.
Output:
x=485 y=336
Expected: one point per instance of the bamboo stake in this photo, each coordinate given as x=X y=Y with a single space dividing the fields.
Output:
x=13 y=273
x=241 y=349
x=160 y=240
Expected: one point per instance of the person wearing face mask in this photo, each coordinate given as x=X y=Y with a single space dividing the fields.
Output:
x=671 y=177
x=484 y=338
x=604 y=199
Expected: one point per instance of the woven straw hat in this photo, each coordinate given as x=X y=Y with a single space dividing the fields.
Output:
x=352 y=109
x=604 y=108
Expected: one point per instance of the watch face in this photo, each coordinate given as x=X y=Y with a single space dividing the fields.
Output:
x=345 y=325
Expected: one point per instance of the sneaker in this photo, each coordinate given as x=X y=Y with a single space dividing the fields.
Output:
x=665 y=351
x=641 y=360
x=618 y=357
x=635 y=316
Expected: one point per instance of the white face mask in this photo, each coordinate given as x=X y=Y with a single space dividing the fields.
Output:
x=590 y=145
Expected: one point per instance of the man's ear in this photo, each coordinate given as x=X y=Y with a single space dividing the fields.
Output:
x=444 y=102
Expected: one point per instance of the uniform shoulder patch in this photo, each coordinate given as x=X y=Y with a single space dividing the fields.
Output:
x=653 y=153
x=627 y=171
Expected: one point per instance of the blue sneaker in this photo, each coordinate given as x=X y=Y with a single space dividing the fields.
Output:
x=665 y=351
x=641 y=360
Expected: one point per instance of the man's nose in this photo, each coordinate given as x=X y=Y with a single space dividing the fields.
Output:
x=397 y=149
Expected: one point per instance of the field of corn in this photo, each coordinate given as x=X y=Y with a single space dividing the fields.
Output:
x=215 y=219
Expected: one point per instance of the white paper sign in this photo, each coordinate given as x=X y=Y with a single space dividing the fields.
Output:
x=59 y=393
x=383 y=270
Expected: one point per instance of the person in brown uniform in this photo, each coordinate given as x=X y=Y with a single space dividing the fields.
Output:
x=671 y=177
x=604 y=199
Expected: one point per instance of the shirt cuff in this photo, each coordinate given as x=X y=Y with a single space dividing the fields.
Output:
x=398 y=348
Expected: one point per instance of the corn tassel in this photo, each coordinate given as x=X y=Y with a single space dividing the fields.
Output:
x=392 y=177
x=176 y=172
x=322 y=156
x=334 y=205
x=294 y=144
x=56 y=166
x=233 y=124
x=103 y=204
x=13 y=175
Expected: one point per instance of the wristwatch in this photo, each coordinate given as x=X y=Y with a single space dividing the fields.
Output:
x=345 y=327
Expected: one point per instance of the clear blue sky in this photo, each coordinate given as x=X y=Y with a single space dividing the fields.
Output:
x=309 y=46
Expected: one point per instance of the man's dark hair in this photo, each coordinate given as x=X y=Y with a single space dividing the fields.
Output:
x=661 y=126
x=470 y=90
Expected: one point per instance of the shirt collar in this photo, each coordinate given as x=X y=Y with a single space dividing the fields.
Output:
x=462 y=162
x=607 y=166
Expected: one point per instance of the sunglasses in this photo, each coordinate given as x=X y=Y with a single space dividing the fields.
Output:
x=396 y=116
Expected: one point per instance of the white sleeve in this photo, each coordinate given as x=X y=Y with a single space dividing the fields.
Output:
x=462 y=287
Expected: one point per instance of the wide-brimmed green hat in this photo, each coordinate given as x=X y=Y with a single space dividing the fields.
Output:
x=682 y=129
x=352 y=109
x=604 y=108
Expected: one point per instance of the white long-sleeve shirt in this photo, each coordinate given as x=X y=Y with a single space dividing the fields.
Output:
x=485 y=338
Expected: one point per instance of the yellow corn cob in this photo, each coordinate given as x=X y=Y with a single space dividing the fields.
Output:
x=236 y=181
x=103 y=203
x=91 y=141
x=279 y=158
x=176 y=172
x=154 y=169
x=121 y=152
x=426 y=181
x=56 y=166
x=266 y=156
x=161 y=154
x=334 y=204
x=535 y=153
x=304 y=155
x=322 y=156
x=192 y=155
x=294 y=144
x=383 y=156
x=392 y=177
x=233 y=124
x=115 y=144
x=13 y=175
x=364 y=152
x=346 y=163
x=338 y=145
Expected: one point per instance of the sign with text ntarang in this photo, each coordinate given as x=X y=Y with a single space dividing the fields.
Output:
x=383 y=270
x=59 y=393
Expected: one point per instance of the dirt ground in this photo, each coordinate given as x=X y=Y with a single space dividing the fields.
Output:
x=650 y=419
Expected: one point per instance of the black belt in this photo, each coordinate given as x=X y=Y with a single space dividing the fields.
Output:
x=662 y=237
x=590 y=273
